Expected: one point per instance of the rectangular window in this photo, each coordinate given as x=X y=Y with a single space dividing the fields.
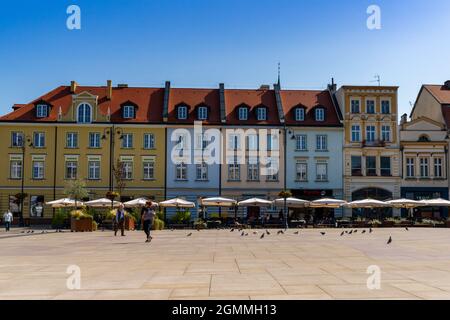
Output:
x=182 y=142
x=355 y=106
x=301 y=168
x=201 y=171
x=272 y=169
x=41 y=111
x=71 y=169
x=202 y=113
x=127 y=140
x=371 y=166
x=320 y=114
x=356 y=166
x=356 y=133
x=243 y=113
x=127 y=170
x=234 y=142
x=94 y=140
x=370 y=106
x=252 y=142
x=72 y=140
x=234 y=172
x=321 y=143
x=385 y=107
x=39 y=139
x=321 y=171
x=128 y=112
x=300 y=142
x=385 y=166
x=149 y=141
x=386 y=133
x=182 y=112
x=94 y=170
x=370 y=133
x=37 y=206
x=424 y=171
x=438 y=168
x=299 y=114
x=410 y=167
x=181 y=171
x=261 y=114
x=16 y=139
x=16 y=169
x=38 y=170
x=252 y=170
x=149 y=170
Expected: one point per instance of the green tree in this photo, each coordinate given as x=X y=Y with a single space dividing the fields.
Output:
x=76 y=189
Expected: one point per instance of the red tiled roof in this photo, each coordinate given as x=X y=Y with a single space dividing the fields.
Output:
x=149 y=101
x=252 y=98
x=309 y=99
x=193 y=98
x=440 y=92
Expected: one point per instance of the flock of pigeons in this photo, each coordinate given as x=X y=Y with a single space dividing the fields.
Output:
x=243 y=233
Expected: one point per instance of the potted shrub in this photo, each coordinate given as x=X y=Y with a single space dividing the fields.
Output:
x=60 y=219
x=388 y=223
x=80 y=221
x=158 y=224
x=360 y=222
x=129 y=219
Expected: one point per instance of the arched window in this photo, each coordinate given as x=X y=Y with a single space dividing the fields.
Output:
x=424 y=138
x=84 y=113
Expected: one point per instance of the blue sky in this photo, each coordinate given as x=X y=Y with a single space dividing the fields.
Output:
x=199 y=43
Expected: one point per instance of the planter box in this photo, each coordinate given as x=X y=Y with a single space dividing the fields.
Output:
x=388 y=224
x=360 y=224
x=82 y=225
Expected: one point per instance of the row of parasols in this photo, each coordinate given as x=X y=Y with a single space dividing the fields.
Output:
x=257 y=202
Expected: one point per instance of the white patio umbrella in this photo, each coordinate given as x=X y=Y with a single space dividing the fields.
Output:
x=436 y=203
x=139 y=202
x=177 y=203
x=217 y=202
x=102 y=203
x=327 y=203
x=405 y=203
x=255 y=202
x=64 y=203
x=367 y=204
x=291 y=203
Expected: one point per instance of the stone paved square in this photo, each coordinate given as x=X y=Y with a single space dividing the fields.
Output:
x=219 y=264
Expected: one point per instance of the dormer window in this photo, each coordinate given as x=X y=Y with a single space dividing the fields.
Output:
x=182 y=112
x=84 y=113
x=42 y=111
x=243 y=113
x=261 y=113
x=320 y=114
x=202 y=113
x=299 y=114
x=129 y=112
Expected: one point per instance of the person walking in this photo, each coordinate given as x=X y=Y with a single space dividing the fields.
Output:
x=120 y=221
x=7 y=219
x=148 y=217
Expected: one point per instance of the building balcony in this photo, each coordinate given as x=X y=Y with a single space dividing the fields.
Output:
x=373 y=144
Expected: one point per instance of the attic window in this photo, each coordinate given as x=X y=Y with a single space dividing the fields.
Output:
x=202 y=113
x=42 y=111
x=182 y=112
x=299 y=114
x=424 y=138
x=243 y=113
x=129 y=112
x=320 y=114
x=261 y=113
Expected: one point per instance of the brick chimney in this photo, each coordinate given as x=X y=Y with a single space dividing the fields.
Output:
x=109 y=89
x=73 y=86
x=404 y=119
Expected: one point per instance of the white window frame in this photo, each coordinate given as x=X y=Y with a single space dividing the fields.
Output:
x=252 y=171
x=72 y=140
x=201 y=171
x=301 y=171
x=424 y=165
x=301 y=142
x=73 y=172
x=182 y=112
x=261 y=113
x=321 y=177
x=94 y=140
x=127 y=141
x=40 y=166
x=129 y=112
x=371 y=132
x=438 y=167
x=181 y=171
x=356 y=133
x=16 y=168
x=351 y=105
x=389 y=106
x=300 y=114
x=42 y=111
x=39 y=139
x=374 y=106
x=84 y=119
x=321 y=142
x=149 y=141
x=410 y=167
x=243 y=113
x=386 y=133
x=148 y=167
x=320 y=114
x=94 y=167
x=202 y=113
x=17 y=139
x=127 y=167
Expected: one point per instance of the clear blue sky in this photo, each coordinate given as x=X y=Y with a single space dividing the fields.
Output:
x=239 y=42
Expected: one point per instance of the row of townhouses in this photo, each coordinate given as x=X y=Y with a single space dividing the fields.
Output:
x=345 y=143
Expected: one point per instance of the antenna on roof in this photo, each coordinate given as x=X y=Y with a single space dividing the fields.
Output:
x=377 y=79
